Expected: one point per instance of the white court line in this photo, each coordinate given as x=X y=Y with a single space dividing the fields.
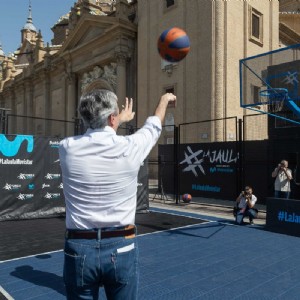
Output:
x=172 y=229
x=5 y=294
x=182 y=227
x=13 y=259
x=192 y=217
x=178 y=214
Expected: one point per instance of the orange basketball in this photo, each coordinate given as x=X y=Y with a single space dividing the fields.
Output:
x=186 y=198
x=173 y=44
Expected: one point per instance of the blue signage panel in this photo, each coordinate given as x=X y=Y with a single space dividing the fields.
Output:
x=283 y=216
x=30 y=181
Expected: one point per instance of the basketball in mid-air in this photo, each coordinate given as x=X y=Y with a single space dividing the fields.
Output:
x=173 y=44
x=186 y=198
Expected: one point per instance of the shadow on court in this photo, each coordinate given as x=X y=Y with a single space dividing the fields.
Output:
x=39 y=278
x=200 y=231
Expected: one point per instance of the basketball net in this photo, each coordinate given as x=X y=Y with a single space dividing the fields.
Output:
x=273 y=100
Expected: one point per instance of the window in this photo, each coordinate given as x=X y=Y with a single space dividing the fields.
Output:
x=255 y=94
x=255 y=26
x=169 y=3
x=170 y=90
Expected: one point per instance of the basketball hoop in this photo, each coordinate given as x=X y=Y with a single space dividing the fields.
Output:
x=274 y=99
x=269 y=83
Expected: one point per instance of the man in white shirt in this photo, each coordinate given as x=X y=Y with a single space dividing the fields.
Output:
x=100 y=172
x=245 y=202
x=283 y=176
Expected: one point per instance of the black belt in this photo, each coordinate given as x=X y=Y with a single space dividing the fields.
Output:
x=94 y=234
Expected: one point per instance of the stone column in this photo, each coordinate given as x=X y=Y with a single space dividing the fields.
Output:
x=13 y=124
x=48 y=105
x=71 y=103
x=121 y=57
x=21 y=92
x=219 y=69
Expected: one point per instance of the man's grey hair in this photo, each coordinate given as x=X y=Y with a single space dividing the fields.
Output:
x=96 y=106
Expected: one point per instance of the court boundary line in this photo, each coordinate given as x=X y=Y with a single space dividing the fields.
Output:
x=5 y=294
x=224 y=221
x=179 y=213
x=172 y=229
x=33 y=255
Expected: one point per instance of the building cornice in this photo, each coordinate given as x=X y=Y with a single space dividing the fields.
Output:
x=288 y=35
x=289 y=13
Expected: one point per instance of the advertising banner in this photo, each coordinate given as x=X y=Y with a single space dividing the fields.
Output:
x=30 y=179
x=143 y=189
x=283 y=216
x=209 y=170
x=31 y=182
x=205 y=170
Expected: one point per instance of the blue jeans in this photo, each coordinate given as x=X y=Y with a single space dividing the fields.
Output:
x=251 y=213
x=110 y=262
x=280 y=194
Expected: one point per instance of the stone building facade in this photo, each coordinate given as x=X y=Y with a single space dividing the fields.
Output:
x=94 y=45
x=112 y=44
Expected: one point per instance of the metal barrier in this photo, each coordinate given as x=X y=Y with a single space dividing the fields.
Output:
x=38 y=126
x=191 y=158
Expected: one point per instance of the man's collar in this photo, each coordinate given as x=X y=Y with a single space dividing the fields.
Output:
x=104 y=129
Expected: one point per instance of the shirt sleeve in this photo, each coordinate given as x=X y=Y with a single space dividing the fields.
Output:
x=147 y=136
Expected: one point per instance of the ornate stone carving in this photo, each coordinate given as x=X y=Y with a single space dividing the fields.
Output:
x=68 y=73
x=108 y=73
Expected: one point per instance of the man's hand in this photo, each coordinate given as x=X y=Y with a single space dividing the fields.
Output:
x=168 y=98
x=126 y=113
x=163 y=104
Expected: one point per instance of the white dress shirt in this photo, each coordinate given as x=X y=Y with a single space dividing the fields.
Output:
x=99 y=172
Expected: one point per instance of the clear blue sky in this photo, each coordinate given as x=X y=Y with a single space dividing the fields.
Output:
x=14 y=13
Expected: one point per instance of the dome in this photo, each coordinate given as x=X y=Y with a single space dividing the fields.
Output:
x=29 y=25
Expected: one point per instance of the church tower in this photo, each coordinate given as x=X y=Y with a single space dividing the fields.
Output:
x=29 y=31
x=29 y=38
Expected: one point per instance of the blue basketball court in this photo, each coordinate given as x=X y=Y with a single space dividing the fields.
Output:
x=210 y=260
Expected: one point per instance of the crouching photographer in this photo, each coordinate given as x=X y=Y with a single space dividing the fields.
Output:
x=245 y=206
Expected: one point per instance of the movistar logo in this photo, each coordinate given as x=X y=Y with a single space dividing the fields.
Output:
x=11 y=148
x=31 y=186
